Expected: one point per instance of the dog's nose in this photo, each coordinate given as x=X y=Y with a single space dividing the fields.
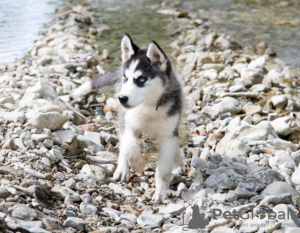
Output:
x=123 y=99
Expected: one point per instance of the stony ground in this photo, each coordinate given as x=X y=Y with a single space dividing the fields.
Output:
x=58 y=154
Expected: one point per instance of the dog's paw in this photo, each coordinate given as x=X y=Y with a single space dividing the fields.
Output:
x=179 y=170
x=138 y=164
x=122 y=174
x=159 y=196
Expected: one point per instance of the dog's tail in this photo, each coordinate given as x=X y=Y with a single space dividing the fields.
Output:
x=99 y=83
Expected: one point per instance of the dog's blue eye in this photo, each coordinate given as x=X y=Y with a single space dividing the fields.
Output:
x=142 y=80
x=125 y=79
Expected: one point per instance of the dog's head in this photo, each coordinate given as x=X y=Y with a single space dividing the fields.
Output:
x=145 y=73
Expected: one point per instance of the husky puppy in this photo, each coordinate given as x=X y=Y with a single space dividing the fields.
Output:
x=151 y=101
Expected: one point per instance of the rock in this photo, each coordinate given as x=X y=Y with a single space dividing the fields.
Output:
x=119 y=189
x=52 y=224
x=63 y=192
x=174 y=209
x=87 y=208
x=282 y=126
x=251 y=76
x=115 y=214
x=93 y=175
x=253 y=109
x=223 y=230
x=228 y=104
x=278 y=188
x=219 y=181
x=279 y=101
x=27 y=226
x=42 y=88
x=150 y=220
x=288 y=215
x=4 y=192
x=22 y=211
x=8 y=144
x=49 y=120
x=284 y=198
x=66 y=136
x=84 y=142
x=296 y=177
x=249 y=188
x=76 y=223
x=258 y=63
x=17 y=117
x=198 y=163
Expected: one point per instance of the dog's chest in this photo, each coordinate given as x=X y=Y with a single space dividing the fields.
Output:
x=156 y=123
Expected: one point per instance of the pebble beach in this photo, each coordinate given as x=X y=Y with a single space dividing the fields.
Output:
x=239 y=143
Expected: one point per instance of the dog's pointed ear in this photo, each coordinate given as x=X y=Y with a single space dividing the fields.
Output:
x=157 y=55
x=128 y=48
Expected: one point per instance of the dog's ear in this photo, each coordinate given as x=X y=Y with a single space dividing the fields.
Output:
x=128 y=48
x=157 y=55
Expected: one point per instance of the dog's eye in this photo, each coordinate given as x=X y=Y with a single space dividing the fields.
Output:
x=141 y=80
x=125 y=79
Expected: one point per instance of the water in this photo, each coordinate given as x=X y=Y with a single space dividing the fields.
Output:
x=252 y=21
x=142 y=23
x=20 y=22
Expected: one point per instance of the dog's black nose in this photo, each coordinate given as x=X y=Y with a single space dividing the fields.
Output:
x=123 y=99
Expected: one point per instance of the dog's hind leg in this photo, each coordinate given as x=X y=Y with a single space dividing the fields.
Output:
x=168 y=150
x=130 y=154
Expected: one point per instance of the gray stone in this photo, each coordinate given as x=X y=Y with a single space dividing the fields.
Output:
x=87 y=208
x=285 y=198
x=22 y=211
x=249 y=188
x=76 y=223
x=278 y=188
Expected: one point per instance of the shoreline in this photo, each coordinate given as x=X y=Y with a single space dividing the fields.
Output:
x=58 y=155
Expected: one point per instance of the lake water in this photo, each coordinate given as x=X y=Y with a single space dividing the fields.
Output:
x=20 y=23
x=248 y=21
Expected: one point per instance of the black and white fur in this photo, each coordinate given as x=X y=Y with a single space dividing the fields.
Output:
x=151 y=101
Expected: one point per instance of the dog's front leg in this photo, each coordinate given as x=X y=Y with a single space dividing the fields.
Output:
x=168 y=151
x=130 y=154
